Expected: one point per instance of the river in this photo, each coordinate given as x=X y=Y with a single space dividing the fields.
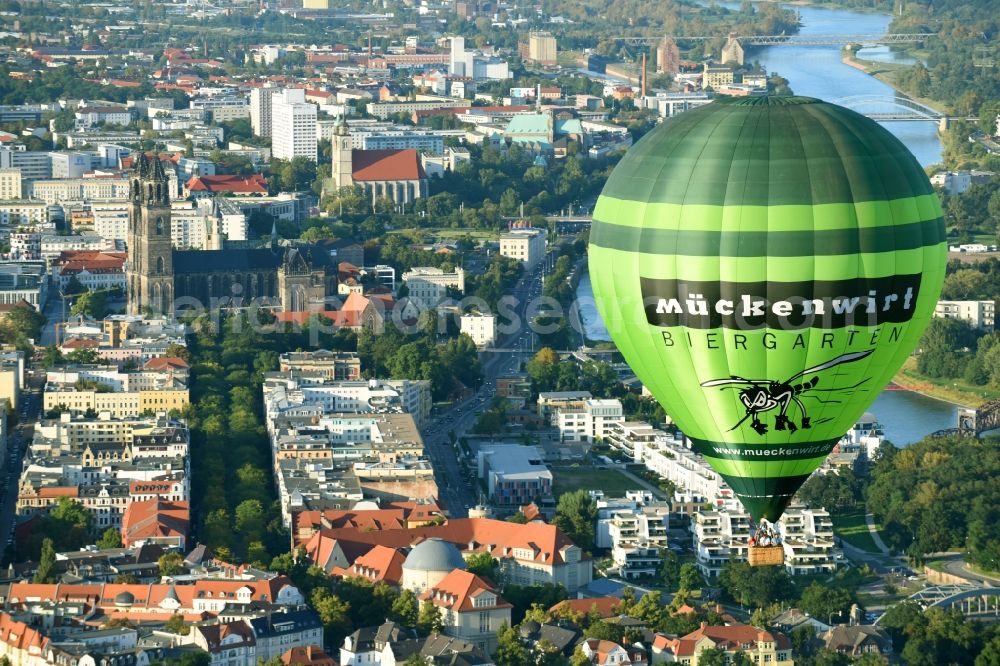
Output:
x=817 y=71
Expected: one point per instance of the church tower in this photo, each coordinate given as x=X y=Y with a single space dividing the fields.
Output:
x=342 y=158
x=150 y=272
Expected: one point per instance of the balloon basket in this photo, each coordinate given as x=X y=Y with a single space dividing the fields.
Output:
x=765 y=556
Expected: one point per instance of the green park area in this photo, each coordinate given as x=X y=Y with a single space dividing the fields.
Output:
x=852 y=528
x=612 y=482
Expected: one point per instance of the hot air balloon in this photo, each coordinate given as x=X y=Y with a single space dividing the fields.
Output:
x=765 y=265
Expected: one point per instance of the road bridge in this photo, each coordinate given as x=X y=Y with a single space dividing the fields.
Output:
x=968 y=599
x=974 y=422
x=800 y=40
x=886 y=107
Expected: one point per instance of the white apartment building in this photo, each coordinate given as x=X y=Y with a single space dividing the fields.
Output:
x=670 y=459
x=77 y=189
x=110 y=219
x=482 y=328
x=293 y=126
x=284 y=390
x=592 y=421
x=515 y=475
x=632 y=437
x=69 y=164
x=635 y=529
x=10 y=184
x=23 y=211
x=24 y=281
x=427 y=286
x=807 y=538
x=978 y=314
x=525 y=245
x=193 y=224
x=50 y=246
x=260 y=110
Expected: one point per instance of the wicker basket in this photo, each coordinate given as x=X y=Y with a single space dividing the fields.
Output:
x=762 y=556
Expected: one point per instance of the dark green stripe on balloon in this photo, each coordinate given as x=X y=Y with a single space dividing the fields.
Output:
x=765 y=497
x=890 y=238
x=775 y=152
x=763 y=452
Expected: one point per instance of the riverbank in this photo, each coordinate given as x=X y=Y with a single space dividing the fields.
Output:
x=954 y=391
x=885 y=72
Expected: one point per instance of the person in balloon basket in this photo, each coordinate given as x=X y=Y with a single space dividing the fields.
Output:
x=764 y=536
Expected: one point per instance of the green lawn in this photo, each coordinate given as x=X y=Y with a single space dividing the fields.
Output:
x=852 y=528
x=612 y=482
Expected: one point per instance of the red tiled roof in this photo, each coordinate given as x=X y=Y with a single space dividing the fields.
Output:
x=544 y=543
x=387 y=165
x=21 y=303
x=58 y=491
x=605 y=606
x=728 y=638
x=156 y=486
x=92 y=261
x=154 y=518
x=310 y=655
x=380 y=564
x=255 y=184
x=458 y=590
x=166 y=363
x=19 y=637
x=77 y=343
x=347 y=319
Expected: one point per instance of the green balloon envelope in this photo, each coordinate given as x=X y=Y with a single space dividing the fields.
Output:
x=765 y=265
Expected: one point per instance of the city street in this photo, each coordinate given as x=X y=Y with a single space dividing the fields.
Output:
x=20 y=437
x=455 y=491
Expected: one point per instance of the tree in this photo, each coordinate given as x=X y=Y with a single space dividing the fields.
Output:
x=483 y=565
x=73 y=287
x=543 y=368
x=333 y=613
x=176 y=625
x=110 y=539
x=22 y=322
x=712 y=657
x=575 y=515
x=510 y=651
x=689 y=577
x=522 y=597
x=578 y=658
x=429 y=620
x=250 y=517
x=92 y=304
x=406 y=609
x=670 y=568
x=85 y=356
x=755 y=586
x=822 y=601
x=171 y=564
x=46 y=563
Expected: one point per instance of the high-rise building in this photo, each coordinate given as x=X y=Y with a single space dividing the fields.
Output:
x=260 y=110
x=668 y=57
x=542 y=48
x=10 y=184
x=457 y=62
x=732 y=52
x=293 y=126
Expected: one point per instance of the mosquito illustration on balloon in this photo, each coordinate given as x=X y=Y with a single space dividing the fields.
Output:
x=764 y=395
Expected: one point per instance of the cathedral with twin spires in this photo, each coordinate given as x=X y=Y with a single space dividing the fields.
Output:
x=160 y=279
